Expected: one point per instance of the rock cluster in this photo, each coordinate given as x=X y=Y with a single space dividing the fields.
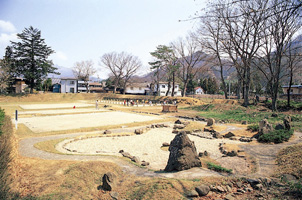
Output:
x=134 y=158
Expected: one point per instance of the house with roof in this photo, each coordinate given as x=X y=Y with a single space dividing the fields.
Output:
x=163 y=88
x=69 y=85
x=96 y=87
x=294 y=90
x=198 y=90
x=138 y=88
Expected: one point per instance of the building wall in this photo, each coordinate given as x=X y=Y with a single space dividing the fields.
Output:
x=199 y=91
x=163 y=88
x=69 y=86
x=135 y=90
x=294 y=90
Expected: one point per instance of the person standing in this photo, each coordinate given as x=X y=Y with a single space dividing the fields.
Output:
x=97 y=104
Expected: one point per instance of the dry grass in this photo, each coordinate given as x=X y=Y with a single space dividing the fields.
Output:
x=289 y=160
x=231 y=147
x=49 y=145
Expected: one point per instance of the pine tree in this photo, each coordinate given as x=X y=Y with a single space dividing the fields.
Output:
x=30 y=57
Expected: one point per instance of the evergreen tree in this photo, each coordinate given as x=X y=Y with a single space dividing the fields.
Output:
x=30 y=56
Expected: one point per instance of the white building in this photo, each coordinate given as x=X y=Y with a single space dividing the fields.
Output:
x=163 y=88
x=82 y=86
x=69 y=85
x=198 y=90
x=137 y=88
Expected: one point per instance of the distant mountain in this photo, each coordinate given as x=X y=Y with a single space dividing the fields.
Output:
x=65 y=72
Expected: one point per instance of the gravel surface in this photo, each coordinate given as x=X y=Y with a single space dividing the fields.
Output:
x=54 y=106
x=62 y=111
x=146 y=146
x=67 y=122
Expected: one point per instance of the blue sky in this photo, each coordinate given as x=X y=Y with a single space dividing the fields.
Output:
x=81 y=30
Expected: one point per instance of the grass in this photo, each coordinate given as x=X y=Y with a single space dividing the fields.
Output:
x=218 y=168
x=253 y=127
x=276 y=136
x=49 y=145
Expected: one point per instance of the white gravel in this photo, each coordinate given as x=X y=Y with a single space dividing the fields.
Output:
x=58 y=105
x=145 y=146
x=62 y=111
x=76 y=121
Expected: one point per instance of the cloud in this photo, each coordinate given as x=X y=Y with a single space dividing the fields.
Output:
x=5 y=41
x=6 y=26
x=60 y=56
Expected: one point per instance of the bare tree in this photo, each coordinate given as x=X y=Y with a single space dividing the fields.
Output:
x=133 y=64
x=190 y=58
x=83 y=70
x=279 y=29
x=122 y=65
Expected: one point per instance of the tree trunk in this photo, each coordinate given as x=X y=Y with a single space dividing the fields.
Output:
x=289 y=88
x=169 y=86
x=184 y=90
x=173 y=84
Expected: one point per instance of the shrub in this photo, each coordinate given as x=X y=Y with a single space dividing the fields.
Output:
x=253 y=127
x=276 y=136
x=5 y=154
x=218 y=168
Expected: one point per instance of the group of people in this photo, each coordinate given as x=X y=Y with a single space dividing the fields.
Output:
x=131 y=102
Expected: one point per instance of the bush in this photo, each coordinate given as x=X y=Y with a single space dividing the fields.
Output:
x=276 y=136
x=253 y=127
x=5 y=154
x=218 y=168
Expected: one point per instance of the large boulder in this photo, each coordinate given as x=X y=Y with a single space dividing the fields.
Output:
x=286 y=122
x=183 y=154
x=210 y=122
x=265 y=127
x=202 y=190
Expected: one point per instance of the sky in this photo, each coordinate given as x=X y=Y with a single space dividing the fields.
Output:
x=79 y=30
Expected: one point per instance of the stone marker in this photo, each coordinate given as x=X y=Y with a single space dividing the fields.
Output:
x=210 y=121
x=183 y=154
x=108 y=181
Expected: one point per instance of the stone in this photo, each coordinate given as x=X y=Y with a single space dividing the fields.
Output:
x=279 y=127
x=202 y=190
x=175 y=131
x=239 y=184
x=229 y=197
x=220 y=189
x=287 y=122
x=258 y=186
x=107 y=132
x=165 y=144
x=200 y=154
x=135 y=159
x=192 y=193
x=240 y=190
x=108 y=181
x=265 y=127
x=244 y=122
x=144 y=163
x=274 y=115
x=179 y=126
x=210 y=122
x=121 y=151
x=232 y=153
x=127 y=155
x=183 y=154
x=138 y=131
x=114 y=195
x=253 y=182
x=228 y=188
x=205 y=153
x=228 y=135
x=178 y=122
x=217 y=135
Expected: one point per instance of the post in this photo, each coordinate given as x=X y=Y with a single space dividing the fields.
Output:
x=16 y=119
